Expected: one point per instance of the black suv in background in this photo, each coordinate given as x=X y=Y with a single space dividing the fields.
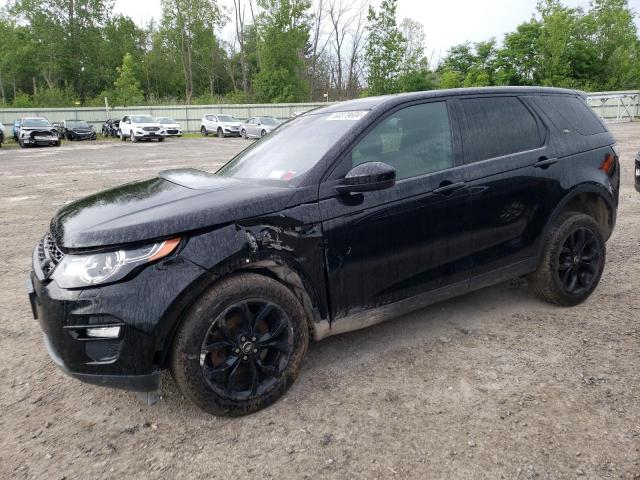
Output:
x=341 y=218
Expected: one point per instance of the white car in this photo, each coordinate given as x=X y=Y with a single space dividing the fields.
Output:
x=258 y=127
x=140 y=127
x=221 y=125
x=171 y=127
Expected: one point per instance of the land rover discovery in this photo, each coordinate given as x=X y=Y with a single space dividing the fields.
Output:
x=341 y=218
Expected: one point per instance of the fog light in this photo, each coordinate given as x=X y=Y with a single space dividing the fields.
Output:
x=103 y=332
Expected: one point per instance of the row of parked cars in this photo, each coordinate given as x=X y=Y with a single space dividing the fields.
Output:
x=33 y=131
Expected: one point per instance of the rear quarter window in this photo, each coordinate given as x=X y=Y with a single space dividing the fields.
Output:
x=571 y=113
x=498 y=126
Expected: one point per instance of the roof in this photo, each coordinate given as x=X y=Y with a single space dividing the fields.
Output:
x=369 y=103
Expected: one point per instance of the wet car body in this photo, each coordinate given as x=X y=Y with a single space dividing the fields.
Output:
x=37 y=131
x=73 y=130
x=438 y=235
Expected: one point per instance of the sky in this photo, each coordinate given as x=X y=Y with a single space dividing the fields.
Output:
x=446 y=22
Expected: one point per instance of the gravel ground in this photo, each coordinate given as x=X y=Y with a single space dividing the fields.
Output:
x=494 y=384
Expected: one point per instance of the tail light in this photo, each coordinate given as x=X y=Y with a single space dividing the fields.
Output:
x=610 y=163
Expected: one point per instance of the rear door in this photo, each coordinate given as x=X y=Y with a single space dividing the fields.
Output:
x=389 y=245
x=508 y=160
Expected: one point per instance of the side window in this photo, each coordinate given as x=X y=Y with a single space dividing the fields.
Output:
x=571 y=113
x=415 y=141
x=498 y=126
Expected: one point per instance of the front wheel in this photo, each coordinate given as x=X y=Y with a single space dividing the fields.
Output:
x=203 y=131
x=122 y=137
x=243 y=133
x=572 y=262
x=263 y=133
x=134 y=139
x=241 y=345
x=220 y=133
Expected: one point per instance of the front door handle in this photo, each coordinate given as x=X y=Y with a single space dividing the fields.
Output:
x=545 y=162
x=447 y=188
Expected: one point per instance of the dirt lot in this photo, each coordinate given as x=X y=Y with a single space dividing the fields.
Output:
x=495 y=384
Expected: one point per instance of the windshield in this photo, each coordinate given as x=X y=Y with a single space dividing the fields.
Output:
x=269 y=121
x=291 y=150
x=35 y=122
x=227 y=118
x=77 y=124
x=166 y=120
x=142 y=119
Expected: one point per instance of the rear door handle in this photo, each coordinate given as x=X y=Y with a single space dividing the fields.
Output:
x=545 y=162
x=448 y=189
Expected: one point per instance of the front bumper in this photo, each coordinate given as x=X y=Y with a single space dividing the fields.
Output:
x=41 y=141
x=141 y=306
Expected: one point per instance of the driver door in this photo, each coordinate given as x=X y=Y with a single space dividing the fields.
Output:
x=407 y=240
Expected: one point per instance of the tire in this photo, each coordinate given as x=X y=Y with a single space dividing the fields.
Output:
x=263 y=133
x=22 y=144
x=220 y=133
x=574 y=256
x=203 y=131
x=161 y=139
x=122 y=137
x=243 y=133
x=133 y=137
x=206 y=378
x=57 y=144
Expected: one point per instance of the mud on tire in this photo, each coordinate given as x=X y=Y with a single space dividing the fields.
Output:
x=240 y=346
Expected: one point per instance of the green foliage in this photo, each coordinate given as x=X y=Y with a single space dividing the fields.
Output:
x=127 y=89
x=385 y=50
x=450 y=79
x=283 y=30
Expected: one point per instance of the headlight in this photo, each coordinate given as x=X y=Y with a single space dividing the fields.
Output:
x=75 y=271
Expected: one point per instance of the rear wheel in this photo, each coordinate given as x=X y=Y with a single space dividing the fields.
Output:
x=241 y=345
x=573 y=261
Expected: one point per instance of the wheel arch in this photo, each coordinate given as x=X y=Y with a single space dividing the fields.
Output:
x=591 y=199
x=274 y=267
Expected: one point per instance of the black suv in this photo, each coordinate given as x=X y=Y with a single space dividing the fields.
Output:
x=340 y=219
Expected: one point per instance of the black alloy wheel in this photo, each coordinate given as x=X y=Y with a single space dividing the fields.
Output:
x=247 y=349
x=579 y=261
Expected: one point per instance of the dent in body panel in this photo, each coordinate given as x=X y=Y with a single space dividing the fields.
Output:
x=287 y=246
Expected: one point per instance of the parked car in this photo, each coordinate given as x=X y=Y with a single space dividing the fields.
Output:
x=140 y=127
x=171 y=127
x=638 y=172
x=221 y=125
x=111 y=128
x=258 y=127
x=16 y=129
x=77 y=130
x=225 y=278
x=37 y=131
x=1 y=134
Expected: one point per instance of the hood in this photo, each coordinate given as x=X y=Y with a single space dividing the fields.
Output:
x=175 y=202
x=230 y=124
x=142 y=125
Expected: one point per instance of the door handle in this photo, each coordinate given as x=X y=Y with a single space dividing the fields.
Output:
x=545 y=162
x=447 y=188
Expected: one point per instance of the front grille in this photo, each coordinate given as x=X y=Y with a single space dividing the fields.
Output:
x=151 y=129
x=172 y=132
x=49 y=255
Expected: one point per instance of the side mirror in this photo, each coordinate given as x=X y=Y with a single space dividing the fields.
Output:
x=368 y=177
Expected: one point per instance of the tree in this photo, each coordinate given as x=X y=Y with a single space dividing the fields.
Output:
x=127 y=87
x=385 y=51
x=283 y=29
x=183 y=21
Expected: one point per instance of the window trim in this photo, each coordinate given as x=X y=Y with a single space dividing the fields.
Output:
x=333 y=173
x=543 y=129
